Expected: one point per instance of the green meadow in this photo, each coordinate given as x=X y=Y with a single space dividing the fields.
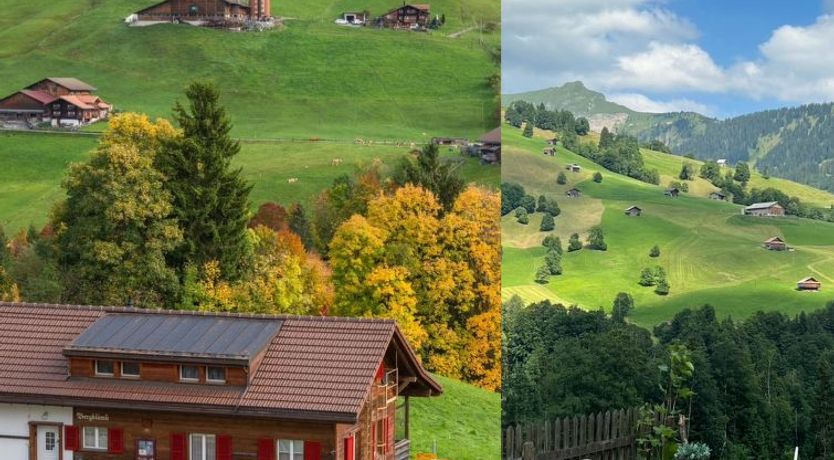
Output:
x=711 y=253
x=437 y=422
x=307 y=78
x=35 y=165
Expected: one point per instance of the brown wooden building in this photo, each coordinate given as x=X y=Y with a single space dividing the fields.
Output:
x=61 y=101
x=769 y=209
x=633 y=211
x=775 y=244
x=113 y=383
x=201 y=10
x=408 y=16
x=808 y=284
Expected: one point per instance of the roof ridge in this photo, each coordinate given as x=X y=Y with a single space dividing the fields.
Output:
x=263 y=316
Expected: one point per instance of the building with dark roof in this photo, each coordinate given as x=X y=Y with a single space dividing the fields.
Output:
x=60 y=101
x=123 y=383
x=407 y=16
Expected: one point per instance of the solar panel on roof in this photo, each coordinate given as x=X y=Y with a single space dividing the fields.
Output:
x=186 y=335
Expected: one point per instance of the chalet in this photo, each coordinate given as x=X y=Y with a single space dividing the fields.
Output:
x=408 y=16
x=448 y=141
x=808 y=284
x=201 y=11
x=353 y=18
x=719 y=196
x=775 y=244
x=573 y=193
x=672 y=192
x=553 y=141
x=121 y=383
x=573 y=167
x=490 y=146
x=633 y=211
x=549 y=151
x=59 y=101
x=769 y=209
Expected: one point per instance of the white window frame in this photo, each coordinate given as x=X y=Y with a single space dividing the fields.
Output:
x=292 y=451
x=217 y=381
x=189 y=379
x=129 y=376
x=204 y=437
x=104 y=374
x=98 y=430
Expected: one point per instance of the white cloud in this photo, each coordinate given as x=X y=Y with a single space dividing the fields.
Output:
x=636 y=47
x=642 y=103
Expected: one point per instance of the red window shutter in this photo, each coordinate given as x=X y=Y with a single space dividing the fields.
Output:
x=71 y=437
x=178 y=446
x=115 y=441
x=224 y=447
x=312 y=450
x=266 y=449
x=380 y=372
x=349 y=448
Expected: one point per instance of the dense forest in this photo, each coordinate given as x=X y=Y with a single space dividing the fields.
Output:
x=794 y=143
x=757 y=389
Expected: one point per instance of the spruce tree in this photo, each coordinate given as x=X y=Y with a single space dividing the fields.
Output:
x=528 y=129
x=561 y=179
x=211 y=199
x=598 y=177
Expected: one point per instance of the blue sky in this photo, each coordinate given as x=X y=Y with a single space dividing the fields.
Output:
x=721 y=58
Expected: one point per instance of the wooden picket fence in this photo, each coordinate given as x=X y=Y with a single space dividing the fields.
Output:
x=602 y=436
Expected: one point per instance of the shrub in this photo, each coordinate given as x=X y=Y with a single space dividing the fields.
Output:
x=574 y=244
x=693 y=451
x=547 y=223
x=654 y=252
x=543 y=275
x=561 y=179
x=521 y=216
x=598 y=177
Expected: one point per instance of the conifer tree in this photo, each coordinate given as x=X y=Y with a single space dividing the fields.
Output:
x=210 y=197
x=528 y=129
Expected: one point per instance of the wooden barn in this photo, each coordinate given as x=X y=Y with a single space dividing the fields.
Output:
x=718 y=196
x=549 y=151
x=573 y=167
x=204 y=10
x=768 y=209
x=775 y=244
x=115 y=383
x=633 y=211
x=672 y=192
x=808 y=284
x=408 y=16
x=573 y=193
x=59 y=101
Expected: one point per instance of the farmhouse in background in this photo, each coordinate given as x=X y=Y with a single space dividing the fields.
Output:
x=718 y=196
x=57 y=101
x=775 y=244
x=633 y=211
x=573 y=167
x=573 y=193
x=200 y=12
x=408 y=16
x=721 y=162
x=549 y=151
x=769 y=209
x=448 y=141
x=672 y=192
x=353 y=18
x=126 y=383
x=808 y=284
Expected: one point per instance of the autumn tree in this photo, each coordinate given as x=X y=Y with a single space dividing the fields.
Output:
x=116 y=228
x=210 y=197
x=272 y=216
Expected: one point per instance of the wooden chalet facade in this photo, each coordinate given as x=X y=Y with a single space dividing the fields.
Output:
x=59 y=101
x=113 y=383
x=769 y=209
x=808 y=284
x=206 y=10
x=775 y=244
x=408 y=16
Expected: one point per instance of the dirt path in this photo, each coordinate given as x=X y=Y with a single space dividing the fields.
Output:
x=461 y=32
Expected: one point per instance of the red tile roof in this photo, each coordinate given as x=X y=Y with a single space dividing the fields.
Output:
x=78 y=102
x=316 y=368
x=41 y=96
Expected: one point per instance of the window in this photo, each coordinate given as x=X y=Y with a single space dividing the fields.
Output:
x=49 y=440
x=290 y=450
x=130 y=370
x=145 y=449
x=215 y=374
x=193 y=10
x=104 y=368
x=189 y=373
x=95 y=437
x=202 y=447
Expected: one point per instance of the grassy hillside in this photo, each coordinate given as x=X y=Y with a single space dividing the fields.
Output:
x=309 y=78
x=35 y=165
x=711 y=253
x=438 y=420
